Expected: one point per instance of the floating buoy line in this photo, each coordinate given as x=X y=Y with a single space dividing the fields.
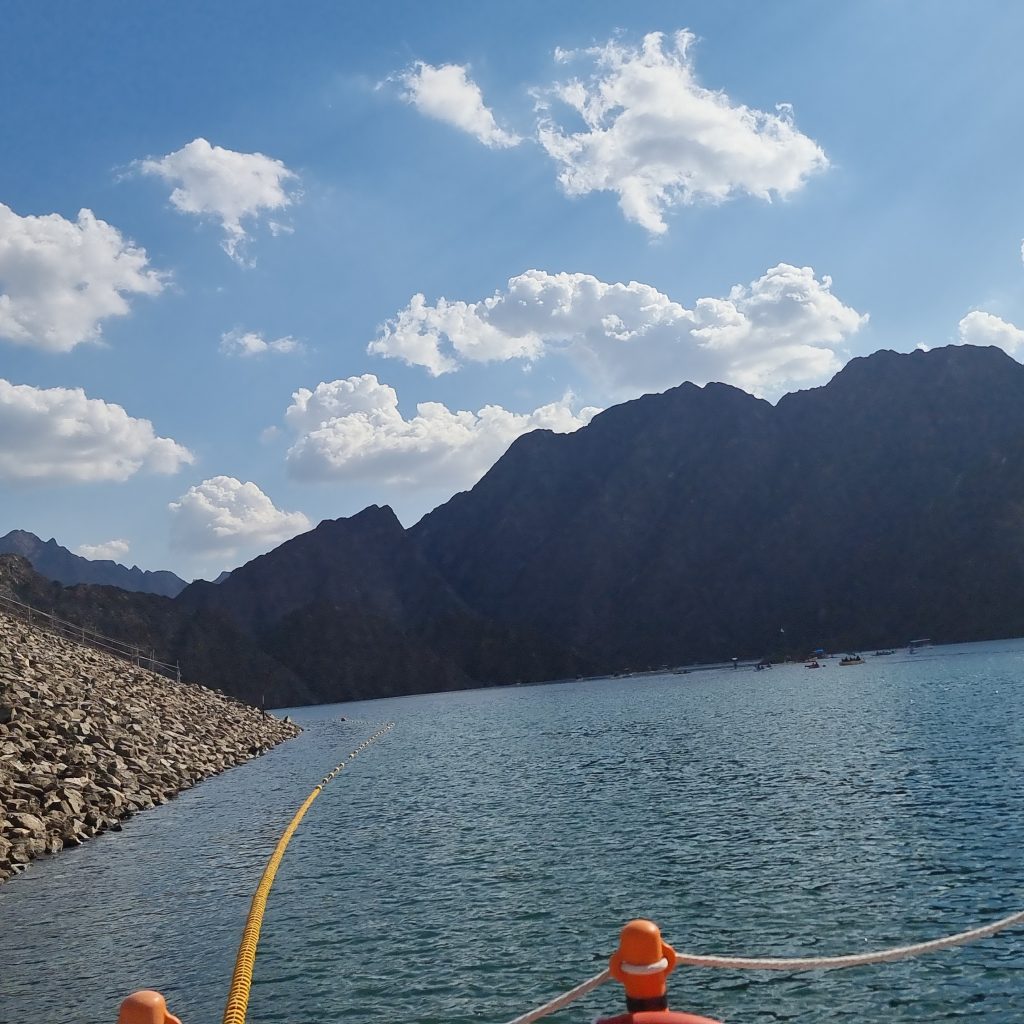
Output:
x=642 y=963
x=241 y=980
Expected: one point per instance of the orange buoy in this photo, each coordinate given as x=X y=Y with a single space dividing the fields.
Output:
x=658 y=1017
x=146 y=1007
x=642 y=963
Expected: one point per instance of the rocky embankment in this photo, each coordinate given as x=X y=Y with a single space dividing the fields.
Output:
x=87 y=740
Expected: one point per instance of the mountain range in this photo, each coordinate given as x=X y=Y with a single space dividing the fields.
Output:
x=704 y=523
x=699 y=524
x=55 y=562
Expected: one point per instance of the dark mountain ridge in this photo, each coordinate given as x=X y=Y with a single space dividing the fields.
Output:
x=703 y=523
x=355 y=609
x=694 y=525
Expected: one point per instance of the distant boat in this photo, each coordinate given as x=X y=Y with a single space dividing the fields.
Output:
x=812 y=664
x=916 y=645
x=851 y=659
x=880 y=654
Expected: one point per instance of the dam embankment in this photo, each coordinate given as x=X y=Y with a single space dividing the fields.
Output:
x=87 y=740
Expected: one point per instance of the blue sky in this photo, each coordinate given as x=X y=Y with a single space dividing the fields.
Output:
x=676 y=223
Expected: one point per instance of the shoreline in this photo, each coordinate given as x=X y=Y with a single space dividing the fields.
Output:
x=88 y=740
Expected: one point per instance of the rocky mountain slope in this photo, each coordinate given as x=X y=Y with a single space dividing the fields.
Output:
x=698 y=524
x=354 y=610
x=87 y=740
x=54 y=562
x=704 y=523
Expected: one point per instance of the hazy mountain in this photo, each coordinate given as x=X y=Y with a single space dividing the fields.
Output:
x=57 y=563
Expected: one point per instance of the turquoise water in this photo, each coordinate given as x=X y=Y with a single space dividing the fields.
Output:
x=483 y=855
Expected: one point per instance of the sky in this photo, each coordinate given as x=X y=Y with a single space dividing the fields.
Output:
x=265 y=264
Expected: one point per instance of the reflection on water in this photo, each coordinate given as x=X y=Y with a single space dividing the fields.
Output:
x=483 y=855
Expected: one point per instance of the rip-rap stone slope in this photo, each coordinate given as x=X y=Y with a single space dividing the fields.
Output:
x=87 y=740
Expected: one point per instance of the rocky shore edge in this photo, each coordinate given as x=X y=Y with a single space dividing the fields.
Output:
x=87 y=740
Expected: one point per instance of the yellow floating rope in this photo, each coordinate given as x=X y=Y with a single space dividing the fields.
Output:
x=241 y=980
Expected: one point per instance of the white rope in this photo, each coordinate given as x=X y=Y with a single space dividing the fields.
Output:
x=803 y=963
x=564 y=999
x=831 y=963
x=644 y=969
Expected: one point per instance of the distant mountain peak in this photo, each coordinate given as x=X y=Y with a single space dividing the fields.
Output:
x=57 y=563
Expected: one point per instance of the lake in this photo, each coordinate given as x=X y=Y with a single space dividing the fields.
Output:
x=483 y=855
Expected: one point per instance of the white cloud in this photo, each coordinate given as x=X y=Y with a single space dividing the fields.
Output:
x=417 y=333
x=226 y=517
x=60 y=435
x=363 y=395
x=59 y=279
x=353 y=430
x=216 y=182
x=246 y=344
x=781 y=330
x=979 y=328
x=448 y=94
x=114 y=550
x=659 y=139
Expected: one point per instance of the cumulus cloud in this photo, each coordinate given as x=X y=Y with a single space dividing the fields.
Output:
x=419 y=334
x=60 y=279
x=448 y=94
x=60 y=435
x=114 y=550
x=783 y=329
x=353 y=430
x=223 y=516
x=231 y=187
x=979 y=328
x=658 y=139
x=246 y=344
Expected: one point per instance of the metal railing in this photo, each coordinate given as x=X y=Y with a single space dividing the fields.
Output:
x=81 y=634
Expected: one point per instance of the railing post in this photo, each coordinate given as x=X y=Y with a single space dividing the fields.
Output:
x=131 y=652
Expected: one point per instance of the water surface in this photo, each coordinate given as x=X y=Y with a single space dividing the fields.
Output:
x=483 y=855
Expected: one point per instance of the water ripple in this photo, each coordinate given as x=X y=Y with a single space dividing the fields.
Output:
x=483 y=856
